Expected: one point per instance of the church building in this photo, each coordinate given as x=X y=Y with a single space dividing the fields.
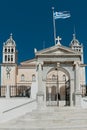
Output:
x=56 y=76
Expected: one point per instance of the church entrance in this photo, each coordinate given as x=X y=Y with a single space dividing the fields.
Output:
x=57 y=88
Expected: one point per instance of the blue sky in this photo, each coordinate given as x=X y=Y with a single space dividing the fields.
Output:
x=30 y=22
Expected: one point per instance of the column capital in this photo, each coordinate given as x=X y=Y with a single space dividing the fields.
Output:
x=77 y=63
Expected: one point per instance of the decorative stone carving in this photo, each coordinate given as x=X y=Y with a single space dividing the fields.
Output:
x=58 y=64
x=39 y=66
x=8 y=69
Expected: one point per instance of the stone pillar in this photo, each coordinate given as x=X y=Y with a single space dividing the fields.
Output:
x=40 y=93
x=72 y=92
x=77 y=85
x=44 y=91
x=7 y=91
x=33 y=89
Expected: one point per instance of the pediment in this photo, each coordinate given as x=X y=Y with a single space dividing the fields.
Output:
x=29 y=62
x=56 y=50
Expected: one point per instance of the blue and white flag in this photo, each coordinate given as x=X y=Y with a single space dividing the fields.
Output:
x=61 y=15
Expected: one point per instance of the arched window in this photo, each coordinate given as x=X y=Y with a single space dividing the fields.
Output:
x=33 y=77
x=8 y=49
x=5 y=57
x=53 y=77
x=8 y=57
x=5 y=49
x=12 y=50
x=11 y=57
x=22 y=77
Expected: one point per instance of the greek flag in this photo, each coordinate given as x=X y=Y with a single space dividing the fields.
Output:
x=61 y=15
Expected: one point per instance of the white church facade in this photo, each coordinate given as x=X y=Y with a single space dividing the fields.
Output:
x=56 y=76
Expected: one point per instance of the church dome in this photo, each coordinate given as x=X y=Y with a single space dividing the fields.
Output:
x=10 y=41
x=74 y=41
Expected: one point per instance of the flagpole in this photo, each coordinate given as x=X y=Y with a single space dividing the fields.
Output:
x=54 y=27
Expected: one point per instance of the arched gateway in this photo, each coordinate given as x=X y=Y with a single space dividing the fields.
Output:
x=60 y=75
x=58 y=87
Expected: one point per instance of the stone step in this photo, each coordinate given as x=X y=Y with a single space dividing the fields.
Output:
x=58 y=113
x=58 y=128
x=50 y=124
x=64 y=111
x=45 y=123
x=43 y=115
x=49 y=128
x=55 y=119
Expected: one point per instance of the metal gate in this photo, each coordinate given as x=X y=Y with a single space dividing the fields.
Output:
x=55 y=97
x=16 y=91
x=67 y=90
x=2 y=91
x=52 y=98
x=20 y=91
x=52 y=91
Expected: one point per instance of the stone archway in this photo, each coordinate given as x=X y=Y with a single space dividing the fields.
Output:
x=56 y=87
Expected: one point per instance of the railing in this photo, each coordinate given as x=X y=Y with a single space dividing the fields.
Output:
x=2 y=91
x=16 y=91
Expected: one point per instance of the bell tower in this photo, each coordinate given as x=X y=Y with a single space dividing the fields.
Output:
x=9 y=62
x=9 y=51
x=77 y=47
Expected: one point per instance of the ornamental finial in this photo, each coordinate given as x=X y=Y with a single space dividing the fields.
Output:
x=11 y=36
x=74 y=35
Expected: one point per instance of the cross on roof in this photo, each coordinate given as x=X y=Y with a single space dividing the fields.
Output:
x=58 y=40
